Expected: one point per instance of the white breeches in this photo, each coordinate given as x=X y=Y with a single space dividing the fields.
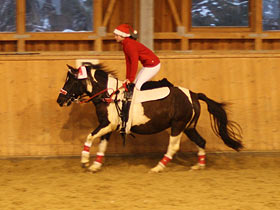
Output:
x=145 y=74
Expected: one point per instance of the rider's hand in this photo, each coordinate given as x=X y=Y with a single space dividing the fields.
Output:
x=127 y=81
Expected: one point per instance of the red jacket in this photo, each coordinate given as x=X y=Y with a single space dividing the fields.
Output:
x=135 y=51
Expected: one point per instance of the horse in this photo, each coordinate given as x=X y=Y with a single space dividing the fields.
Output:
x=178 y=110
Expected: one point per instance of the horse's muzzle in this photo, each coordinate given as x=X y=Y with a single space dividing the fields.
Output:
x=61 y=100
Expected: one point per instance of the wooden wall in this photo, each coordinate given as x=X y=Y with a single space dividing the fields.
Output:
x=32 y=123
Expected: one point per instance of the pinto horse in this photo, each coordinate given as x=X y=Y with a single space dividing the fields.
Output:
x=179 y=110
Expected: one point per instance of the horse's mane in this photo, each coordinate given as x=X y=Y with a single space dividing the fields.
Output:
x=101 y=67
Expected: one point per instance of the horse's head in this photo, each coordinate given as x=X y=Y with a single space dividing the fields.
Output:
x=73 y=88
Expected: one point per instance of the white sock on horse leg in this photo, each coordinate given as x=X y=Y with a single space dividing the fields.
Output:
x=173 y=147
x=86 y=150
x=100 y=154
x=165 y=160
x=99 y=158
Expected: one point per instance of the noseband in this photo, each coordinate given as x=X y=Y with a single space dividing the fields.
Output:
x=68 y=96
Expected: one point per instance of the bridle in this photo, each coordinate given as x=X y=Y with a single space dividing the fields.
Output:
x=80 y=99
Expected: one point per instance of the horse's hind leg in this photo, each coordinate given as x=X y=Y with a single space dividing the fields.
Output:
x=200 y=142
x=173 y=147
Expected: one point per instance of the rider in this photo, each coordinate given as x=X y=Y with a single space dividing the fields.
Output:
x=134 y=51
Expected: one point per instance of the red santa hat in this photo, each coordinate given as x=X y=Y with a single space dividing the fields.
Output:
x=125 y=30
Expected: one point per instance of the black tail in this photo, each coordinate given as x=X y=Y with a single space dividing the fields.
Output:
x=228 y=130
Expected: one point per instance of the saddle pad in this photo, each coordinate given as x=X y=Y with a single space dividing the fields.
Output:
x=150 y=95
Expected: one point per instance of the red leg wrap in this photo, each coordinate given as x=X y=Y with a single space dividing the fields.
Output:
x=201 y=159
x=165 y=160
x=86 y=148
x=99 y=158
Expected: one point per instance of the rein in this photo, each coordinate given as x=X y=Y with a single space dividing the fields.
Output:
x=108 y=100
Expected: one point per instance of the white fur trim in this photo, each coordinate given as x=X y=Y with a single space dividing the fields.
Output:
x=120 y=33
x=100 y=153
x=88 y=144
x=85 y=152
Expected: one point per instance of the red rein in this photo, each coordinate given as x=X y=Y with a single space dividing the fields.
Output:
x=108 y=100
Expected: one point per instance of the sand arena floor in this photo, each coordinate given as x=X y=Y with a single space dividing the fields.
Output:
x=237 y=181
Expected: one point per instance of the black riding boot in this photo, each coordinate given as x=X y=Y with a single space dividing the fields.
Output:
x=125 y=108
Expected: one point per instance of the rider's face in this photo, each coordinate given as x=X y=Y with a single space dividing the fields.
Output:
x=119 y=38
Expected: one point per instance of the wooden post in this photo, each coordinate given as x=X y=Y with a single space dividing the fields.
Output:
x=147 y=23
x=98 y=23
x=186 y=10
x=20 y=24
x=258 y=24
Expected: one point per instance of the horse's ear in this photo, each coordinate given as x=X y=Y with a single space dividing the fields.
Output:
x=69 y=67
x=72 y=70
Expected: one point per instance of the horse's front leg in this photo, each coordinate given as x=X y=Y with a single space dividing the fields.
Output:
x=96 y=166
x=100 y=131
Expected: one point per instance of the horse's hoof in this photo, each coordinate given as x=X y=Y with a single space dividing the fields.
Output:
x=197 y=167
x=94 y=168
x=157 y=169
x=91 y=171
x=85 y=165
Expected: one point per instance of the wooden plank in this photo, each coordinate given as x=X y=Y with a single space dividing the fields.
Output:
x=108 y=12
x=174 y=12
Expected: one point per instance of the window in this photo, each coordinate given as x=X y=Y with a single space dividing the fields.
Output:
x=271 y=15
x=225 y=13
x=8 y=16
x=59 y=15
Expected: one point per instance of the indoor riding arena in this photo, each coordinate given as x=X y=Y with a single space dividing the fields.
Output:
x=227 y=50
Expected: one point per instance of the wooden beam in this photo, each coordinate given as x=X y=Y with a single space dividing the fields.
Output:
x=108 y=12
x=174 y=13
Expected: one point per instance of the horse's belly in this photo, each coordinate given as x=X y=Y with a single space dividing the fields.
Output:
x=143 y=124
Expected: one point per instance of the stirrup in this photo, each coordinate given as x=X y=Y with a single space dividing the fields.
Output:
x=122 y=131
x=123 y=135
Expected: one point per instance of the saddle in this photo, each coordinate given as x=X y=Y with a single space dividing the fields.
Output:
x=153 y=90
